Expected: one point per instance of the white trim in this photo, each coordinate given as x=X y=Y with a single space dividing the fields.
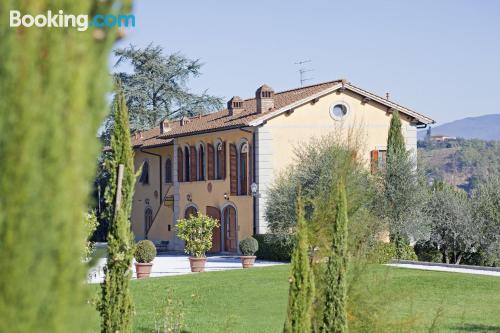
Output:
x=264 y=174
x=332 y=107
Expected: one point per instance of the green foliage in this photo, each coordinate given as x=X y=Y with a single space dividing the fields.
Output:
x=272 y=248
x=318 y=164
x=249 y=246
x=145 y=251
x=460 y=162
x=53 y=86
x=335 y=308
x=156 y=89
x=402 y=195
x=90 y=222
x=301 y=292
x=406 y=253
x=383 y=252
x=196 y=231
x=115 y=305
x=427 y=251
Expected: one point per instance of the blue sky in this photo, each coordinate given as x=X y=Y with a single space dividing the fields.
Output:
x=441 y=58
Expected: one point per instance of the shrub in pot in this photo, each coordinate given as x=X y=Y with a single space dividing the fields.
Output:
x=145 y=252
x=248 y=247
x=196 y=232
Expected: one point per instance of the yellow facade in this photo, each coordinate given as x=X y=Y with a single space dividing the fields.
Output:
x=273 y=143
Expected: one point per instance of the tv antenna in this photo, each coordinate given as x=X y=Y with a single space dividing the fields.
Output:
x=303 y=70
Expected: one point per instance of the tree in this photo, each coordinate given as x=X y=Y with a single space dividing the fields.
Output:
x=156 y=89
x=401 y=188
x=115 y=304
x=335 y=313
x=452 y=227
x=301 y=291
x=53 y=85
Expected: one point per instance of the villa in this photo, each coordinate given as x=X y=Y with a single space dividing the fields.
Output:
x=220 y=164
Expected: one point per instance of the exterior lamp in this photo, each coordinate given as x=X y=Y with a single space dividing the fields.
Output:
x=189 y=197
x=254 y=188
x=226 y=196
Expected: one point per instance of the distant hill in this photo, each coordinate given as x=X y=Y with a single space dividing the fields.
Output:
x=483 y=127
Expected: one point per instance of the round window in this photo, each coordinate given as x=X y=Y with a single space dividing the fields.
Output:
x=338 y=111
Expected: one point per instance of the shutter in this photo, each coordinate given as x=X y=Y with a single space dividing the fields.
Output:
x=192 y=162
x=223 y=164
x=250 y=168
x=243 y=174
x=210 y=161
x=233 y=170
x=374 y=161
x=180 y=165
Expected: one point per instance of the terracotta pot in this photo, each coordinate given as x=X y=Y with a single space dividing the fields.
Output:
x=143 y=270
x=197 y=264
x=247 y=261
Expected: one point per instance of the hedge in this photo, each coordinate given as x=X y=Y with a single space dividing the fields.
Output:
x=272 y=248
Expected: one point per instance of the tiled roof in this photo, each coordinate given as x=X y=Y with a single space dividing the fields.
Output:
x=223 y=120
x=149 y=138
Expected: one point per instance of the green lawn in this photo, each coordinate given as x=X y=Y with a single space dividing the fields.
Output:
x=255 y=300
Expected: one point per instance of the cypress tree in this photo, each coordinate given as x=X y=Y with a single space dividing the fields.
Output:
x=115 y=305
x=398 y=189
x=301 y=290
x=335 y=313
x=53 y=85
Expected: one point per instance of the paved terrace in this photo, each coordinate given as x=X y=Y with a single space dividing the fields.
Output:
x=178 y=264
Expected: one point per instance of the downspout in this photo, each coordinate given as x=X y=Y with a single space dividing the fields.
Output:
x=254 y=177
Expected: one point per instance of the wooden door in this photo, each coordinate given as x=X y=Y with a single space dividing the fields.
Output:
x=216 y=239
x=230 y=230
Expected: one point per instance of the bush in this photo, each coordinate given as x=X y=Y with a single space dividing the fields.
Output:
x=272 y=247
x=407 y=253
x=249 y=246
x=426 y=251
x=196 y=231
x=383 y=252
x=145 y=251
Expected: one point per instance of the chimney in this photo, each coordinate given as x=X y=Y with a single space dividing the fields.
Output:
x=164 y=126
x=264 y=96
x=235 y=106
x=185 y=120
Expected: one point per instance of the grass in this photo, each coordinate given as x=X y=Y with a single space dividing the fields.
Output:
x=255 y=300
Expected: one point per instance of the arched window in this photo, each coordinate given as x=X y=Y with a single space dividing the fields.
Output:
x=180 y=165
x=201 y=162
x=145 y=173
x=187 y=164
x=220 y=161
x=148 y=221
x=168 y=170
x=190 y=211
x=243 y=172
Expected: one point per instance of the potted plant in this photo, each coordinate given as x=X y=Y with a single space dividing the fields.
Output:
x=248 y=247
x=145 y=252
x=196 y=231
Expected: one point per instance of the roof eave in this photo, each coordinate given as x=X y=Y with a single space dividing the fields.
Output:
x=421 y=118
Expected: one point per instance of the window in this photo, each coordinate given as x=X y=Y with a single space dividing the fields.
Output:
x=243 y=172
x=168 y=170
x=145 y=173
x=190 y=211
x=220 y=161
x=378 y=160
x=180 y=165
x=338 y=111
x=148 y=221
x=187 y=164
x=201 y=162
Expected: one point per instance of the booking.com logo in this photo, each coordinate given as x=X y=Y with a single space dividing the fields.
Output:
x=61 y=20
